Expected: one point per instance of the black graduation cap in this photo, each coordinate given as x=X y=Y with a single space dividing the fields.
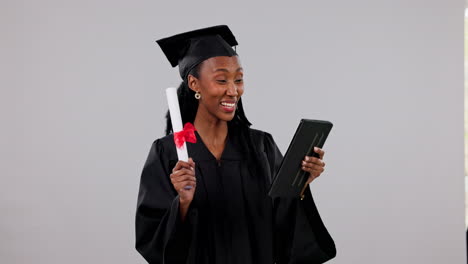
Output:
x=191 y=48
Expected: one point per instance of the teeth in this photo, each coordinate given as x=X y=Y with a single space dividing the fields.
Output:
x=228 y=104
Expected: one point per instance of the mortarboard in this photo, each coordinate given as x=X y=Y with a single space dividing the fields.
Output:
x=191 y=48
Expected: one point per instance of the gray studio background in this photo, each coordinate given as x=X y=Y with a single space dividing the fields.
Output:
x=82 y=100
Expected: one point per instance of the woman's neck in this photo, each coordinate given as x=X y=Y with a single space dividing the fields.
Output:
x=213 y=131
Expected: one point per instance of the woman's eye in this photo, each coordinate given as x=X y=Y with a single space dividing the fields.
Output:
x=239 y=80
x=221 y=81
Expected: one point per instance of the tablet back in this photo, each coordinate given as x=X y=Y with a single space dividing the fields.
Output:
x=290 y=179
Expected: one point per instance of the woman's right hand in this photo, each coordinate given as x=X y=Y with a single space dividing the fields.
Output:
x=183 y=176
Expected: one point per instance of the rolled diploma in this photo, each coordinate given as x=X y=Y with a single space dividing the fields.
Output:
x=176 y=119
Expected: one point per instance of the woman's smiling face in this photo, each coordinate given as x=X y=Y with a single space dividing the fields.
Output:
x=220 y=85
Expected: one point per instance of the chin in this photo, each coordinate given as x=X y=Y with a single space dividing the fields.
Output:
x=226 y=118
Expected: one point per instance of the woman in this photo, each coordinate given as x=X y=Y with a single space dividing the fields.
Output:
x=215 y=207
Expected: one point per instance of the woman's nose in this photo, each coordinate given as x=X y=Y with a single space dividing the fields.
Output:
x=232 y=90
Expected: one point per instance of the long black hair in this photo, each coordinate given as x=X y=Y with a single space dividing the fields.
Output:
x=239 y=125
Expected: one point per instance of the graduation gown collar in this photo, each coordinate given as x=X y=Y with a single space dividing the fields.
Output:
x=199 y=151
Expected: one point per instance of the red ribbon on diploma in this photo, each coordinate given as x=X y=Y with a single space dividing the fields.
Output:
x=186 y=135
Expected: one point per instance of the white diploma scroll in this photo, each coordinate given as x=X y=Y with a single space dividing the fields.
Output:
x=176 y=119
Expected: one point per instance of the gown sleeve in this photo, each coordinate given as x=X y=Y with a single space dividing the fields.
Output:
x=300 y=235
x=161 y=236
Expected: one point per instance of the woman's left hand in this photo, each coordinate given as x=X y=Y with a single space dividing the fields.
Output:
x=315 y=166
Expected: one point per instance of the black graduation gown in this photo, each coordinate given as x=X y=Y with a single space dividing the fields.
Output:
x=231 y=218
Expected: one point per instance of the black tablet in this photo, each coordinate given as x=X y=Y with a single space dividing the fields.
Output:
x=290 y=180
